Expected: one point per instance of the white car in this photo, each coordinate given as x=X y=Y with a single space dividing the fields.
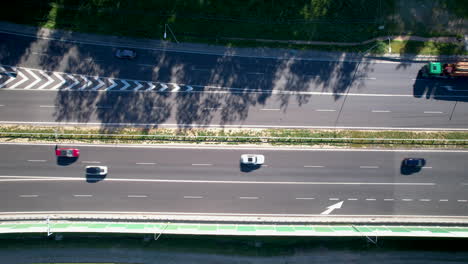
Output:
x=252 y=159
x=96 y=170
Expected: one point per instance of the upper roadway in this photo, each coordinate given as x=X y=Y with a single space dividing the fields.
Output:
x=217 y=90
x=210 y=180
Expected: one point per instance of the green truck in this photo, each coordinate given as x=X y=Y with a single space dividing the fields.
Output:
x=446 y=70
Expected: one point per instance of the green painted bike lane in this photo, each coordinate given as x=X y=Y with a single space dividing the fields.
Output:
x=233 y=229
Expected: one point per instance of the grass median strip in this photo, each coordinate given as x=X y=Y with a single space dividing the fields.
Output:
x=283 y=137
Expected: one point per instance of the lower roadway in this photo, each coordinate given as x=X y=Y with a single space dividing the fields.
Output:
x=210 y=180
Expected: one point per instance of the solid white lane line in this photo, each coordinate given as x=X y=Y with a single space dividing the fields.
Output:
x=381 y=111
x=369 y=167
x=270 y=109
x=370 y=199
x=427 y=167
x=388 y=199
x=305 y=198
x=352 y=199
x=28 y=195
x=248 y=197
x=37 y=160
x=462 y=201
x=407 y=200
x=145 y=163
x=193 y=197
x=91 y=162
x=83 y=195
x=313 y=166
x=202 y=164
x=433 y=112
x=137 y=196
x=443 y=200
x=51 y=106
x=424 y=200
x=368 y=78
x=325 y=110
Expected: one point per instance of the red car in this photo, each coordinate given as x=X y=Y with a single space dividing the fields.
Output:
x=67 y=152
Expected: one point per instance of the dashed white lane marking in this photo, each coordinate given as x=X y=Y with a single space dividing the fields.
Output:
x=248 y=197
x=91 y=162
x=368 y=78
x=145 y=163
x=462 y=201
x=37 y=160
x=270 y=109
x=202 y=164
x=370 y=199
x=28 y=195
x=47 y=106
x=407 y=200
x=2 y=105
x=103 y=107
x=212 y=108
x=137 y=196
x=83 y=195
x=424 y=200
x=433 y=112
x=325 y=110
x=258 y=73
x=389 y=199
x=381 y=111
x=353 y=199
x=193 y=197
x=146 y=65
x=333 y=199
x=313 y=166
x=369 y=167
x=200 y=69
x=305 y=198
x=427 y=167
x=443 y=200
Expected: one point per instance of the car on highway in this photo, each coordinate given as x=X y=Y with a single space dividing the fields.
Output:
x=125 y=54
x=67 y=152
x=96 y=170
x=414 y=162
x=252 y=159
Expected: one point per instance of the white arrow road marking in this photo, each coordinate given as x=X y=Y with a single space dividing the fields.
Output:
x=86 y=81
x=189 y=88
x=126 y=85
x=176 y=88
x=76 y=82
x=20 y=82
x=113 y=84
x=332 y=207
x=139 y=85
x=33 y=83
x=151 y=86
x=101 y=83
x=62 y=81
x=50 y=80
x=163 y=88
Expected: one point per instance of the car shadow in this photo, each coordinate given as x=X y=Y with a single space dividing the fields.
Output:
x=248 y=168
x=64 y=161
x=408 y=170
x=94 y=178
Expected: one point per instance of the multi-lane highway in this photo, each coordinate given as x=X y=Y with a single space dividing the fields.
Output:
x=44 y=80
x=211 y=180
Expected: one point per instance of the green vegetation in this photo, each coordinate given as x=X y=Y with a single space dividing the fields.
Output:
x=284 y=137
x=243 y=22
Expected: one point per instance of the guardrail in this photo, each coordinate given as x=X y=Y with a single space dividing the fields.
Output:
x=239 y=139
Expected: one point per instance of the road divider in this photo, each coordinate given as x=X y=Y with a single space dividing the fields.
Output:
x=305 y=137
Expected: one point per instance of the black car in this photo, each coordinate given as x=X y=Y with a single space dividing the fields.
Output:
x=125 y=54
x=414 y=162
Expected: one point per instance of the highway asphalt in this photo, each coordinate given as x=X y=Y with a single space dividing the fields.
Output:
x=227 y=91
x=211 y=180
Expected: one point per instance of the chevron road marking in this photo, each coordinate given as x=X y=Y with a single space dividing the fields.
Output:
x=76 y=82
x=7 y=81
x=87 y=83
x=50 y=80
x=139 y=85
x=20 y=82
x=151 y=86
x=62 y=81
x=189 y=88
x=164 y=87
x=101 y=83
x=176 y=89
x=33 y=83
x=113 y=84
x=126 y=85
